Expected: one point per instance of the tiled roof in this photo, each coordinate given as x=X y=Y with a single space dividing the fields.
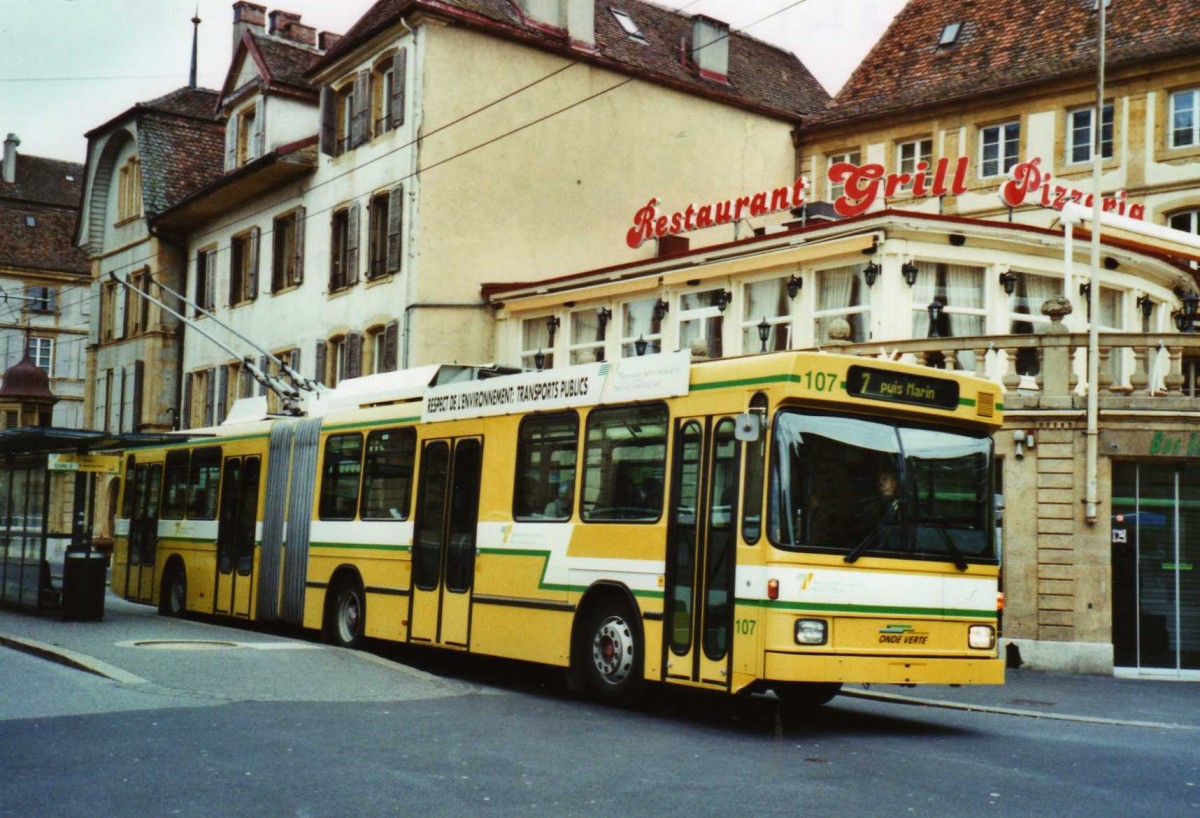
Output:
x=286 y=63
x=1006 y=45
x=179 y=156
x=185 y=101
x=47 y=181
x=46 y=244
x=760 y=75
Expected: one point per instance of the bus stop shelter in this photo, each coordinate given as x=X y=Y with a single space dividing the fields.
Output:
x=48 y=479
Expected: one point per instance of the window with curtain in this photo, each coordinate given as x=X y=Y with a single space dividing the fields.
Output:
x=842 y=293
x=959 y=288
x=638 y=323
x=587 y=337
x=766 y=300
x=535 y=338
x=701 y=320
x=1030 y=291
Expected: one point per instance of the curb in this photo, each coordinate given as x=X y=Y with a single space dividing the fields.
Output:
x=914 y=701
x=71 y=659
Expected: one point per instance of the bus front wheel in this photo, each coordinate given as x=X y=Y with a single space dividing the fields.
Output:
x=172 y=599
x=345 y=614
x=610 y=654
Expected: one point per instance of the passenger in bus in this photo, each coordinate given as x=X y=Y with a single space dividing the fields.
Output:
x=560 y=507
x=647 y=497
x=889 y=508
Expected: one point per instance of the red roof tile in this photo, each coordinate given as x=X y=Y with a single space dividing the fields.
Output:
x=38 y=237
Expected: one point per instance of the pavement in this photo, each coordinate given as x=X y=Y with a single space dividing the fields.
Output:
x=127 y=647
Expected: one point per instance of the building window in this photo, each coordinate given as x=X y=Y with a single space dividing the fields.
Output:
x=108 y=311
x=138 y=311
x=248 y=138
x=842 y=293
x=40 y=299
x=640 y=321
x=343 y=256
x=702 y=323
x=1030 y=291
x=836 y=191
x=287 y=255
x=129 y=189
x=41 y=350
x=384 y=233
x=345 y=118
x=999 y=148
x=206 y=279
x=588 y=332
x=382 y=91
x=535 y=340
x=910 y=154
x=243 y=267
x=1079 y=134
x=766 y=301
x=1185 y=118
x=959 y=289
x=1188 y=221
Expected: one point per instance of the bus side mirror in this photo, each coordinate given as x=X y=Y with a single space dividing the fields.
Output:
x=749 y=427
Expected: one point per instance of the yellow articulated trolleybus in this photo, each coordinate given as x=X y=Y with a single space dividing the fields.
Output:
x=788 y=521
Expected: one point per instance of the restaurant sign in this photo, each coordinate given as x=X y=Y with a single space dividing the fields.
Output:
x=862 y=186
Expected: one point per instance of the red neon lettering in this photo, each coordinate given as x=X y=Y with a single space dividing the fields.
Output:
x=861 y=186
x=643 y=225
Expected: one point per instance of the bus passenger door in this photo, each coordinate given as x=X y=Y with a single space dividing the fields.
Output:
x=701 y=551
x=235 y=536
x=143 y=533
x=443 y=560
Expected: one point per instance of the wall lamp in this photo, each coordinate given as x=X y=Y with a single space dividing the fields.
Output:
x=909 y=271
x=935 y=312
x=603 y=315
x=793 y=286
x=639 y=346
x=1085 y=290
x=1146 y=304
x=661 y=308
x=1008 y=280
x=1185 y=319
x=723 y=299
x=539 y=360
x=870 y=273
x=764 y=332
x=552 y=325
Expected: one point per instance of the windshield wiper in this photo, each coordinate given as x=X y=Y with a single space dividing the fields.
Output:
x=857 y=551
x=960 y=562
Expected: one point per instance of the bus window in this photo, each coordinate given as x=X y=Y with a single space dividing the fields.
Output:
x=175 y=485
x=387 y=478
x=545 y=480
x=756 y=460
x=624 y=463
x=127 y=504
x=339 y=478
x=204 y=478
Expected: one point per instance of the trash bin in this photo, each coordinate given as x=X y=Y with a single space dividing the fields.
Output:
x=84 y=575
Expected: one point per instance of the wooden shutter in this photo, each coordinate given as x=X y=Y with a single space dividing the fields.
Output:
x=399 y=73
x=231 y=129
x=120 y=299
x=360 y=110
x=328 y=137
x=294 y=361
x=352 y=221
x=390 y=335
x=222 y=393
x=321 y=351
x=184 y=415
x=354 y=345
x=139 y=382
x=394 y=226
x=210 y=387
x=263 y=367
x=260 y=129
x=252 y=272
x=210 y=280
x=299 y=245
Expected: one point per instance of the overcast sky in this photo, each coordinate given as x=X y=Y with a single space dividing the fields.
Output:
x=67 y=66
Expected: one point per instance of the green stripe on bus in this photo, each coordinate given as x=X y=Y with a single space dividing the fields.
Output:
x=361 y=546
x=372 y=424
x=700 y=387
x=878 y=610
x=547 y=586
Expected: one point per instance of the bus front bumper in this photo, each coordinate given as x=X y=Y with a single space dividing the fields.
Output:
x=799 y=667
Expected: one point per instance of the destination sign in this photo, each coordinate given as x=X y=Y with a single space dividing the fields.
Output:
x=901 y=387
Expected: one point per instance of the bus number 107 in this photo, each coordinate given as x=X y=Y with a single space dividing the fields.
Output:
x=820 y=381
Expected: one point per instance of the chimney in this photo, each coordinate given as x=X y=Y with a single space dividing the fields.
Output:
x=248 y=17
x=10 y=159
x=581 y=22
x=328 y=40
x=544 y=12
x=710 y=47
x=287 y=26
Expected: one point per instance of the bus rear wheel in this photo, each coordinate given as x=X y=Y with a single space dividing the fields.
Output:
x=172 y=598
x=345 y=614
x=806 y=694
x=610 y=655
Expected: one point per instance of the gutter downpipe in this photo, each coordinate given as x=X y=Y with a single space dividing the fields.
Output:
x=1092 y=500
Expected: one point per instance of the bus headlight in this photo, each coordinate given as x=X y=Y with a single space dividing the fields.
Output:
x=812 y=631
x=981 y=637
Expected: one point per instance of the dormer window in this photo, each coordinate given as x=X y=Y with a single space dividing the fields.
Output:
x=627 y=23
x=949 y=35
x=129 y=189
x=249 y=137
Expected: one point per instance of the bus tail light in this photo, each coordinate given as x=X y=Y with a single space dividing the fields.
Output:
x=772 y=589
x=999 y=601
x=981 y=637
x=812 y=631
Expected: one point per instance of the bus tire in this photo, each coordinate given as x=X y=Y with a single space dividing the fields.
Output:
x=806 y=694
x=610 y=654
x=345 y=613
x=172 y=597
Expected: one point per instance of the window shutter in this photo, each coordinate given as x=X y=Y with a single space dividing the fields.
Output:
x=294 y=360
x=394 y=226
x=210 y=281
x=260 y=129
x=120 y=299
x=210 y=387
x=352 y=245
x=354 y=345
x=231 y=143
x=139 y=381
x=328 y=138
x=399 y=73
x=184 y=415
x=390 y=335
x=360 y=112
x=264 y=368
x=252 y=273
x=299 y=246
x=222 y=393
x=322 y=349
